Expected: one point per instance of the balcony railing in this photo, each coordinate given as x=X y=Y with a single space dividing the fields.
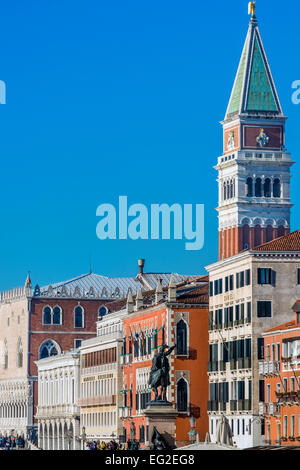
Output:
x=288 y=398
x=269 y=368
x=212 y=366
x=212 y=405
x=233 y=405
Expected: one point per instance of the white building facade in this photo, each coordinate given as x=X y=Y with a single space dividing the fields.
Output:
x=58 y=392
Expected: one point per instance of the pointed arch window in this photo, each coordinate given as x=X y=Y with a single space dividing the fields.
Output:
x=5 y=355
x=48 y=348
x=181 y=338
x=19 y=353
x=79 y=312
x=47 y=316
x=276 y=188
x=57 y=317
x=102 y=311
x=182 y=395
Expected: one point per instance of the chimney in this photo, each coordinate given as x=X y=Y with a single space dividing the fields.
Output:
x=141 y=264
x=172 y=290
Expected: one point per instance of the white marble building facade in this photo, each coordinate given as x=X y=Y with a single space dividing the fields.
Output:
x=57 y=413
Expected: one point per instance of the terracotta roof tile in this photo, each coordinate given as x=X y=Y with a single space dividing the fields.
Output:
x=290 y=242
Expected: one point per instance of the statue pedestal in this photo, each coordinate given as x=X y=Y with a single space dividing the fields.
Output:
x=162 y=415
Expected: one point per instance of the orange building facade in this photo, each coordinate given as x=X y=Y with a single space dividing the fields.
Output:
x=182 y=321
x=281 y=371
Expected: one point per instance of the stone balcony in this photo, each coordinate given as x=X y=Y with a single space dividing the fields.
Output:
x=97 y=400
x=269 y=368
x=57 y=411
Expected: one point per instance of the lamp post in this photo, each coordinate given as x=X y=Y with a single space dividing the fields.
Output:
x=69 y=437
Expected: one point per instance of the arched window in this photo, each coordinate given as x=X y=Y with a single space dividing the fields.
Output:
x=258 y=187
x=276 y=188
x=249 y=187
x=47 y=316
x=228 y=189
x=181 y=338
x=182 y=395
x=57 y=317
x=19 y=353
x=78 y=317
x=102 y=311
x=224 y=191
x=267 y=187
x=48 y=348
x=5 y=355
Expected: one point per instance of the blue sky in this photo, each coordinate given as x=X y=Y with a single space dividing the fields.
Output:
x=121 y=98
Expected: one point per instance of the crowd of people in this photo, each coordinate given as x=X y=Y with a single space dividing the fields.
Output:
x=12 y=443
x=113 y=445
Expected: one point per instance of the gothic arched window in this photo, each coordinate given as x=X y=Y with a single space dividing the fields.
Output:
x=267 y=187
x=19 y=353
x=258 y=187
x=276 y=188
x=47 y=316
x=224 y=191
x=5 y=355
x=57 y=317
x=102 y=311
x=181 y=338
x=249 y=187
x=48 y=348
x=79 y=317
x=182 y=395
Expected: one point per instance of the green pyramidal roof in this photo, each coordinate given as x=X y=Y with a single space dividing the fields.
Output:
x=253 y=90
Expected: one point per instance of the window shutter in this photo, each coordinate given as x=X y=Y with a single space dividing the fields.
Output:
x=273 y=277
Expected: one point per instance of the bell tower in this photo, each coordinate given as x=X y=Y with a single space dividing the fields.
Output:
x=254 y=169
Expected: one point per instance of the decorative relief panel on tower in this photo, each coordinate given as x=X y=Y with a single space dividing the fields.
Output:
x=231 y=139
x=268 y=137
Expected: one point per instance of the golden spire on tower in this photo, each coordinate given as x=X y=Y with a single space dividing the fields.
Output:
x=251 y=8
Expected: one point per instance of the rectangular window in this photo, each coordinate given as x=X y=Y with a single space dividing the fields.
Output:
x=77 y=343
x=216 y=285
x=242 y=279
x=237 y=312
x=231 y=282
x=264 y=308
x=248 y=277
x=298 y=276
x=260 y=348
x=285 y=425
x=211 y=289
x=273 y=352
x=237 y=280
x=278 y=351
x=226 y=284
x=248 y=312
x=266 y=276
x=220 y=286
